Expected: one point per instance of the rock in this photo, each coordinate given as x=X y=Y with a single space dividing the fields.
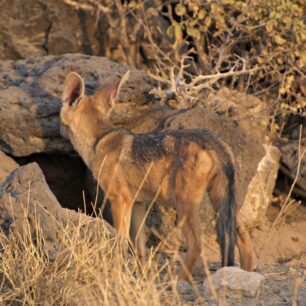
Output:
x=185 y=290
x=7 y=165
x=38 y=28
x=234 y=283
x=290 y=157
x=200 y=301
x=26 y=203
x=259 y=192
x=249 y=112
x=30 y=96
x=64 y=174
x=293 y=149
x=184 y=287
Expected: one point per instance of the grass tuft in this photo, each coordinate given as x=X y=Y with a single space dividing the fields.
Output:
x=87 y=269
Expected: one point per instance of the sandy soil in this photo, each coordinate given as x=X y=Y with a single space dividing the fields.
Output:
x=281 y=258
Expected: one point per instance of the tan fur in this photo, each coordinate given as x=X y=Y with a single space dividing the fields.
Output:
x=85 y=121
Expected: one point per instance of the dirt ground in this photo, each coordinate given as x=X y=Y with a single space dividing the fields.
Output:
x=281 y=259
x=284 y=284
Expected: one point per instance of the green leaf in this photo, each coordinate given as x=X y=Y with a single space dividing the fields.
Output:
x=152 y=11
x=170 y=31
x=195 y=33
x=259 y=60
x=202 y=14
x=270 y=26
x=208 y=21
x=175 y=31
x=279 y=40
x=180 y=10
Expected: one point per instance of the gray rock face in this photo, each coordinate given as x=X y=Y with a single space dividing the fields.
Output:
x=26 y=197
x=249 y=112
x=7 y=165
x=30 y=98
x=234 y=282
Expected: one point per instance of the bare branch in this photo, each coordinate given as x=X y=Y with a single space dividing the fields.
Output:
x=217 y=76
x=172 y=80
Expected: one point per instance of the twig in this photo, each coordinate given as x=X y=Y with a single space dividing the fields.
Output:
x=215 y=77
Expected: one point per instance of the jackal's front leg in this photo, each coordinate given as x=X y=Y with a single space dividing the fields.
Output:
x=121 y=211
x=138 y=234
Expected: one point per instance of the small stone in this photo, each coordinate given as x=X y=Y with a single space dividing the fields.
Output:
x=235 y=282
x=292 y=270
x=200 y=301
x=185 y=289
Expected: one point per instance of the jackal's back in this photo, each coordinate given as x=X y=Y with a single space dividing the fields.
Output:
x=151 y=147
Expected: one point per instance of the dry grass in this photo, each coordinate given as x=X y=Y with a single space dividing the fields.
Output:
x=87 y=270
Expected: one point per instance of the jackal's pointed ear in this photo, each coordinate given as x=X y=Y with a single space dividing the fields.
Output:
x=73 y=88
x=109 y=93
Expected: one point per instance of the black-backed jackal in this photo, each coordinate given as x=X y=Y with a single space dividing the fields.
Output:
x=175 y=167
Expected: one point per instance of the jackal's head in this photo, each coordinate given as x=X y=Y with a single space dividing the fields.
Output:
x=82 y=114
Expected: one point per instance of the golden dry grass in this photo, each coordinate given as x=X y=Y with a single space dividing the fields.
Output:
x=87 y=270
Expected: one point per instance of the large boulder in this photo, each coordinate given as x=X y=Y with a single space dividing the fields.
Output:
x=250 y=113
x=30 y=98
x=27 y=204
x=7 y=165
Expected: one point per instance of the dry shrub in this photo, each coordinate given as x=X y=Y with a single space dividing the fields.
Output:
x=89 y=269
x=212 y=37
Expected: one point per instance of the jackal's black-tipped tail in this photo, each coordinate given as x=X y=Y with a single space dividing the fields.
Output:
x=222 y=196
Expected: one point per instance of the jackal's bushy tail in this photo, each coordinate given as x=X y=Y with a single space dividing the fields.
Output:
x=222 y=195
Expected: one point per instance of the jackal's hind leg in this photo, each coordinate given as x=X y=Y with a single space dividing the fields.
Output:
x=244 y=245
x=188 y=218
